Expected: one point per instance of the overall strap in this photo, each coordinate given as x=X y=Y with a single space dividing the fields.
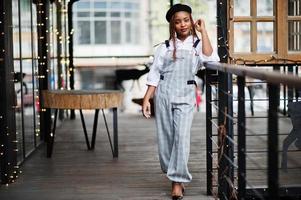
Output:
x=196 y=43
x=167 y=43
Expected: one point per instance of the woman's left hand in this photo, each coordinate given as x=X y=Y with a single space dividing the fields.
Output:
x=200 y=25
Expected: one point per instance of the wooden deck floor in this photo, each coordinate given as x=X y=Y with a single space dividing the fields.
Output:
x=75 y=173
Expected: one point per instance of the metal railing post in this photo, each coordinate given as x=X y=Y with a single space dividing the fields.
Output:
x=209 y=132
x=241 y=137
x=273 y=177
x=225 y=131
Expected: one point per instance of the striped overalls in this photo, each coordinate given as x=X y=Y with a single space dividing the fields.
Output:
x=174 y=109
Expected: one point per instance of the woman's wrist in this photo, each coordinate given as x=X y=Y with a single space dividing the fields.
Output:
x=203 y=31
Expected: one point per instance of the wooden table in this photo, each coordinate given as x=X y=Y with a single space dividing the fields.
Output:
x=85 y=99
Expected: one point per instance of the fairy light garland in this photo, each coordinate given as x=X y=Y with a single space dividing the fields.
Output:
x=12 y=172
x=41 y=64
x=62 y=41
x=1 y=117
x=36 y=91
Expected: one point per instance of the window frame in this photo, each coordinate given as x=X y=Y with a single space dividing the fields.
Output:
x=280 y=20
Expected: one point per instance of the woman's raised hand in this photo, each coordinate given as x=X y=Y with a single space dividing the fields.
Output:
x=200 y=25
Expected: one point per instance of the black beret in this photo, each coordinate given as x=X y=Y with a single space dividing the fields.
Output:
x=177 y=8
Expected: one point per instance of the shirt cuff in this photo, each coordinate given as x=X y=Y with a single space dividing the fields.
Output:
x=213 y=57
x=152 y=83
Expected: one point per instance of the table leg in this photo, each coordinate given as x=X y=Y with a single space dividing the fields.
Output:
x=50 y=140
x=115 y=129
x=94 y=128
x=108 y=132
x=85 y=129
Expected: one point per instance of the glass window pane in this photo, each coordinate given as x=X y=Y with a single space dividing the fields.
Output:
x=127 y=14
x=265 y=37
x=242 y=37
x=27 y=85
x=82 y=5
x=100 y=32
x=128 y=5
x=26 y=29
x=137 y=33
x=100 y=14
x=135 y=15
x=294 y=35
x=265 y=8
x=128 y=32
x=19 y=125
x=242 y=8
x=17 y=79
x=294 y=7
x=115 y=28
x=83 y=14
x=16 y=29
x=83 y=32
x=115 y=14
x=135 y=6
x=116 y=5
x=102 y=5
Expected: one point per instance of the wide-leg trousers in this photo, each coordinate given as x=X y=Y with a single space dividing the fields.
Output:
x=173 y=121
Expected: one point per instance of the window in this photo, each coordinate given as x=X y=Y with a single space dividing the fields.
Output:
x=253 y=26
x=242 y=40
x=128 y=32
x=83 y=5
x=242 y=8
x=265 y=37
x=84 y=32
x=294 y=25
x=115 y=32
x=107 y=22
x=265 y=30
x=100 y=32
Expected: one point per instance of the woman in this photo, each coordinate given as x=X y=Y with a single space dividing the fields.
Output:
x=171 y=81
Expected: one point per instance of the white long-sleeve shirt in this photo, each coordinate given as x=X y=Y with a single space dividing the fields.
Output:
x=153 y=77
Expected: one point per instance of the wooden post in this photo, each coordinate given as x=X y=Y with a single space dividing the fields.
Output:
x=8 y=155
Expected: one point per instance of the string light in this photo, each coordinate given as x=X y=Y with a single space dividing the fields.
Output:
x=3 y=148
x=63 y=39
x=263 y=61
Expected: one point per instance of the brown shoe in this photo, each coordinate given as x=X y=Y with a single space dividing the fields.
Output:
x=177 y=191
